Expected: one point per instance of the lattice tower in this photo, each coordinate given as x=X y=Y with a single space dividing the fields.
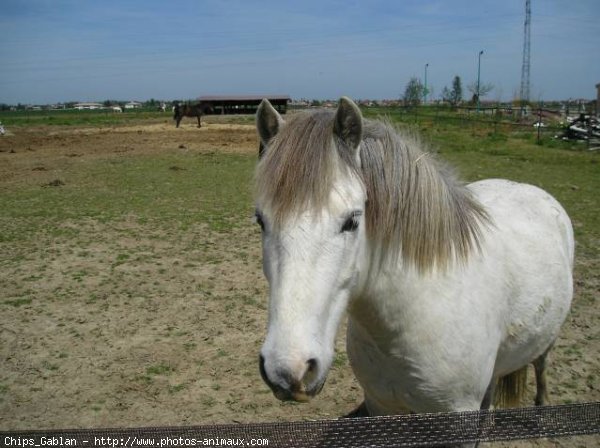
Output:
x=525 y=68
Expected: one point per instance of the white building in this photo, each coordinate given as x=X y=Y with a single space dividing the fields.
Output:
x=88 y=106
x=133 y=105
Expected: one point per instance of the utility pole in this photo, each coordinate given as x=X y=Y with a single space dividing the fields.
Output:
x=525 y=67
x=425 y=89
x=478 y=78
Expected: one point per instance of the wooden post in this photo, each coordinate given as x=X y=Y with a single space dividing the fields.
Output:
x=589 y=131
x=539 y=123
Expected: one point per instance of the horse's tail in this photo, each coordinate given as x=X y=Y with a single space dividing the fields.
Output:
x=175 y=111
x=511 y=389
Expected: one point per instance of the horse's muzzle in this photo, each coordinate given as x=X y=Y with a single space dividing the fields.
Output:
x=296 y=391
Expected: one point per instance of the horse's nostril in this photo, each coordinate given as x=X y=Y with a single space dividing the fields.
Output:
x=312 y=365
x=263 y=373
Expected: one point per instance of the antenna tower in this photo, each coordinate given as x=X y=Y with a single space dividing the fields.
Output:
x=526 y=54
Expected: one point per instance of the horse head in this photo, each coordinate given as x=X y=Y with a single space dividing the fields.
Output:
x=310 y=206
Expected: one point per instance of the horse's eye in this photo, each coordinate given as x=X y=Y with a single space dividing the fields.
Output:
x=259 y=221
x=351 y=224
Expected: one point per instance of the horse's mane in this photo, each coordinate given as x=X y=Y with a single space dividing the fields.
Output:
x=416 y=208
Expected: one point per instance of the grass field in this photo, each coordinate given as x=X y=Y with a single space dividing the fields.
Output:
x=95 y=118
x=131 y=290
x=71 y=117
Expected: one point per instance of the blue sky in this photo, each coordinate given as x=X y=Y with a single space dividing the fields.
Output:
x=75 y=50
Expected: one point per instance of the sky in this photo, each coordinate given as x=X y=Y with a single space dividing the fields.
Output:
x=82 y=50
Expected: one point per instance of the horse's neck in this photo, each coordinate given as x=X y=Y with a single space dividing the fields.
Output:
x=382 y=296
x=378 y=279
x=398 y=283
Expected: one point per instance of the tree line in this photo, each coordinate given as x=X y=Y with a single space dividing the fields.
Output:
x=415 y=92
x=149 y=104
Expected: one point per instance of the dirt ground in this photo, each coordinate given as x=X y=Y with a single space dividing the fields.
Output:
x=169 y=333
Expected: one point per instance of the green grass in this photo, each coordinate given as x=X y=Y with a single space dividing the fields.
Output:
x=214 y=189
x=159 y=369
x=18 y=302
x=97 y=118
x=176 y=388
x=72 y=117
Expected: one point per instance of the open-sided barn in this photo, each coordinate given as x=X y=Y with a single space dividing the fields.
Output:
x=243 y=104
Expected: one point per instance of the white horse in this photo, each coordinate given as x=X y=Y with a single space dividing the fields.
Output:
x=449 y=288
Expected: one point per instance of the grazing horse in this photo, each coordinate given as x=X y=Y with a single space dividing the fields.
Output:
x=189 y=110
x=451 y=290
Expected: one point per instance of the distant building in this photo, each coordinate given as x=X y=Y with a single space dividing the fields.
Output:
x=299 y=103
x=133 y=105
x=88 y=106
x=243 y=104
x=598 y=100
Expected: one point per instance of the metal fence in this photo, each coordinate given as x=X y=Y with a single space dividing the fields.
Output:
x=416 y=430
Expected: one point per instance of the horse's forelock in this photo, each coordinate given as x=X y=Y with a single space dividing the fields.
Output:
x=416 y=210
x=297 y=168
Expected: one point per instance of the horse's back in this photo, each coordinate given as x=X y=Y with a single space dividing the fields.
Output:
x=531 y=237
x=527 y=209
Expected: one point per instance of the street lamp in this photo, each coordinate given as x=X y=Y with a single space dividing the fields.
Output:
x=425 y=89
x=478 y=78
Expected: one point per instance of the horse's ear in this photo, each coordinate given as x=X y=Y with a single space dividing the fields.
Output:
x=268 y=122
x=347 y=124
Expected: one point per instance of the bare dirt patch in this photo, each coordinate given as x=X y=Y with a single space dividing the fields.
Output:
x=125 y=323
x=47 y=151
x=122 y=323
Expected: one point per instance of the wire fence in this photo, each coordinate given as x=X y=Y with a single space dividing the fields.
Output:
x=415 y=430
x=541 y=125
x=496 y=119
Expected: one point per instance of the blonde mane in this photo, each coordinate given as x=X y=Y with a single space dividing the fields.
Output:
x=416 y=208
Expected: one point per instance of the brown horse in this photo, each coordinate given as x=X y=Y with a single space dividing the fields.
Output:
x=190 y=110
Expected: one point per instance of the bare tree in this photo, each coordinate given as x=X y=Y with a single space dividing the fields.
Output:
x=484 y=89
x=413 y=93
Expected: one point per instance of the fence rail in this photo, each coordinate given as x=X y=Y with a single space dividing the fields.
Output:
x=416 y=430
x=540 y=124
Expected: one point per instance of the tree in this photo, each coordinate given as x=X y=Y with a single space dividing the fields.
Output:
x=456 y=93
x=430 y=91
x=446 y=95
x=454 y=96
x=413 y=92
x=484 y=89
x=152 y=103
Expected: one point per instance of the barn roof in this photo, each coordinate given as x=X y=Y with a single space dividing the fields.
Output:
x=244 y=97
